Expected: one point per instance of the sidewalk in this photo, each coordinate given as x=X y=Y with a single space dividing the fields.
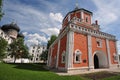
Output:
x=86 y=72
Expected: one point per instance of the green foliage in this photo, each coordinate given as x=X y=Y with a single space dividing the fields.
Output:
x=52 y=39
x=1 y=13
x=3 y=48
x=44 y=55
x=18 y=49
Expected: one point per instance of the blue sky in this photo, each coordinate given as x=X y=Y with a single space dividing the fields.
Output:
x=38 y=19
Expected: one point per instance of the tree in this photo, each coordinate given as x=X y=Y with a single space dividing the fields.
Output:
x=3 y=48
x=1 y=13
x=44 y=54
x=18 y=49
x=52 y=39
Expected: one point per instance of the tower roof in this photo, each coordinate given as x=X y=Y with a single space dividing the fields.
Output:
x=10 y=26
x=78 y=9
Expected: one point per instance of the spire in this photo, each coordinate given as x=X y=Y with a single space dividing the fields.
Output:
x=76 y=5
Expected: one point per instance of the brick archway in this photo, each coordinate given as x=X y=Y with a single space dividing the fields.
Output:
x=100 y=60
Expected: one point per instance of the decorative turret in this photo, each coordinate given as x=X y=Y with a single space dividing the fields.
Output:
x=81 y=14
x=11 y=29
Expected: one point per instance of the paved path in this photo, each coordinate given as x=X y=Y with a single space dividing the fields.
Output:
x=91 y=71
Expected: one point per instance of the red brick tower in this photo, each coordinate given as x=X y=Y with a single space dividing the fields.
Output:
x=81 y=45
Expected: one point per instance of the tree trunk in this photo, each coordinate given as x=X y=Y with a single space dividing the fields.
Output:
x=14 y=59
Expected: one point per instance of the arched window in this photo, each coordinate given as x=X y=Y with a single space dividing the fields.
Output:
x=115 y=57
x=77 y=57
x=63 y=57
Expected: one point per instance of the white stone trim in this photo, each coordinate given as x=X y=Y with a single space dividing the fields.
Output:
x=108 y=52
x=69 y=16
x=78 y=54
x=51 y=56
x=84 y=30
x=61 y=68
x=58 y=50
x=117 y=54
x=103 y=60
x=69 y=49
x=82 y=16
x=90 y=58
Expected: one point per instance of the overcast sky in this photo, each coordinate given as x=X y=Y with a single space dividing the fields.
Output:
x=38 y=19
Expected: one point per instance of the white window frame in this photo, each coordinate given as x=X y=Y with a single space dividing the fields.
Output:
x=63 y=55
x=79 y=54
x=115 y=57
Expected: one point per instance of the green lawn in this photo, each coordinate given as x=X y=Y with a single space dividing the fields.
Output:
x=35 y=72
x=30 y=72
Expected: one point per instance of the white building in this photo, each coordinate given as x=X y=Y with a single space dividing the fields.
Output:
x=10 y=32
x=5 y=36
x=35 y=52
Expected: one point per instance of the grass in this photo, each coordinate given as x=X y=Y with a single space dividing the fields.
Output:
x=37 y=72
x=30 y=72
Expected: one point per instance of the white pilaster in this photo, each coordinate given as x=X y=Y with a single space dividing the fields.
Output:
x=90 y=58
x=82 y=15
x=69 y=50
x=58 y=54
x=117 y=54
x=50 y=56
x=48 y=61
x=108 y=52
x=69 y=17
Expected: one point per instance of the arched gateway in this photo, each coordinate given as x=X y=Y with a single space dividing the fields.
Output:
x=100 y=60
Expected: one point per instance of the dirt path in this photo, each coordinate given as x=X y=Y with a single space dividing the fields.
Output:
x=100 y=75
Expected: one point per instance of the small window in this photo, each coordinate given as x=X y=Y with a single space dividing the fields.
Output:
x=43 y=47
x=34 y=47
x=63 y=57
x=99 y=43
x=36 y=59
x=1 y=33
x=39 y=47
x=115 y=57
x=77 y=58
x=86 y=19
x=33 y=51
x=31 y=59
x=37 y=55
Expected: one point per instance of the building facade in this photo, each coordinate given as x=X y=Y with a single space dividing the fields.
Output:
x=35 y=52
x=81 y=45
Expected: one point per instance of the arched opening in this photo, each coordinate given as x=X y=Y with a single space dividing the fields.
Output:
x=96 y=62
x=100 y=60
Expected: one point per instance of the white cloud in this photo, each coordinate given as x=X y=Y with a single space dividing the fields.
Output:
x=56 y=16
x=50 y=31
x=34 y=39
x=107 y=11
x=31 y=19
